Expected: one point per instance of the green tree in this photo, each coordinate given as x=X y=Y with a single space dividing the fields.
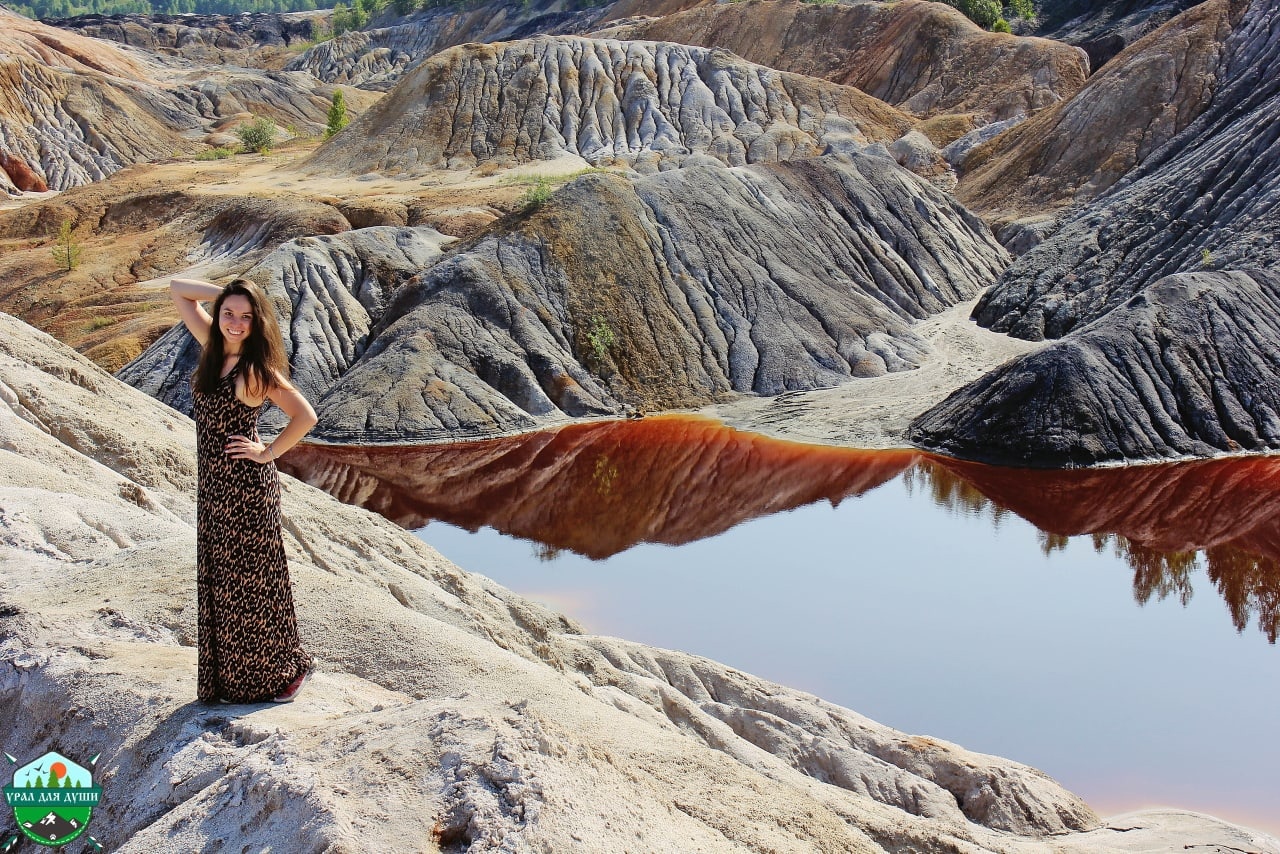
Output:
x=66 y=251
x=337 y=115
x=345 y=20
x=258 y=135
x=984 y=13
x=1024 y=9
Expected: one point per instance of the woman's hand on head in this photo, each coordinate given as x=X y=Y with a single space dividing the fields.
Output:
x=244 y=448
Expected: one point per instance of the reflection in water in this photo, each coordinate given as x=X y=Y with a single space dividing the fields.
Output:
x=598 y=488
x=1157 y=518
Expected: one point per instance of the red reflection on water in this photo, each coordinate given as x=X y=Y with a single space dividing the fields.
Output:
x=600 y=488
x=1156 y=517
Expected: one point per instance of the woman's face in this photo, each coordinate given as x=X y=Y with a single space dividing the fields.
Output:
x=235 y=319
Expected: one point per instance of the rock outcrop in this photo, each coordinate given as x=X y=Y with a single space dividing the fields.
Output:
x=503 y=725
x=925 y=58
x=758 y=280
x=1077 y=149
x=648 y=105
x=598 y=489
x=1209 y=199
x=1187 y=367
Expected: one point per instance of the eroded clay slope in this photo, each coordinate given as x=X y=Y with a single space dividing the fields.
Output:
x=649 y=105
x=1077 y=149
x=1207 y=200
x=74 y=110
x=671 y=290
x=925 y=58
x=1187 y=367
x=68 y=114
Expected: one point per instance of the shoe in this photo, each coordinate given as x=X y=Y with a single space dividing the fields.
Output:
x=288 y=695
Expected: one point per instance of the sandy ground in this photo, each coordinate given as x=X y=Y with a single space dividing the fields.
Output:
x=875 y=413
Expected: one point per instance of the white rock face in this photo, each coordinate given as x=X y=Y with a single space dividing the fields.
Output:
x=448 y=713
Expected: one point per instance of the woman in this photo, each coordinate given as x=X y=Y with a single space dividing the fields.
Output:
x=248 y=633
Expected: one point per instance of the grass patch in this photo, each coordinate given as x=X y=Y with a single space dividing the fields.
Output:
x=215 y=154
x=551 y=180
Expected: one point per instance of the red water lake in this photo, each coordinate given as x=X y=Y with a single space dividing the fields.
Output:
x=1115 y=628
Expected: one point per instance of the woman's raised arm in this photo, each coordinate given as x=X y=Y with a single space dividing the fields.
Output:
x=187 y=295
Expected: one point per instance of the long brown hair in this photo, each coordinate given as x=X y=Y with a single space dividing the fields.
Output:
x=262 y=356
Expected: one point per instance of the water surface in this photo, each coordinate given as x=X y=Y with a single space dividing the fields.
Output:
x=1114 y=628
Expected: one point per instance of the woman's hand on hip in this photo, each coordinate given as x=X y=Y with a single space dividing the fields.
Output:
x=244 y=448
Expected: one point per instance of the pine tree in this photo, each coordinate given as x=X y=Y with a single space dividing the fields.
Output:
x=337 y=115
x=66 y=252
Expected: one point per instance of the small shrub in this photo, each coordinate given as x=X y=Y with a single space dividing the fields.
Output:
x=1206 y=258
x=536 y=196
x=66 y=251
x=215 y=154
x=258 y=135
x=1000 y=26
x=600 y=337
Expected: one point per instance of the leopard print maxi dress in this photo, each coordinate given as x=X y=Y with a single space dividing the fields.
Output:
x=248 y=632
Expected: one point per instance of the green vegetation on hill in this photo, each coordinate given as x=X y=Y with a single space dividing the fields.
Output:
x=349 y=15
x=43 y=9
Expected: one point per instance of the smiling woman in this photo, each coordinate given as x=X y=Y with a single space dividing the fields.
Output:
x=248 y=632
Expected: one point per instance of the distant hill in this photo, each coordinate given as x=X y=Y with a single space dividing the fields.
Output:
x=47 y=10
